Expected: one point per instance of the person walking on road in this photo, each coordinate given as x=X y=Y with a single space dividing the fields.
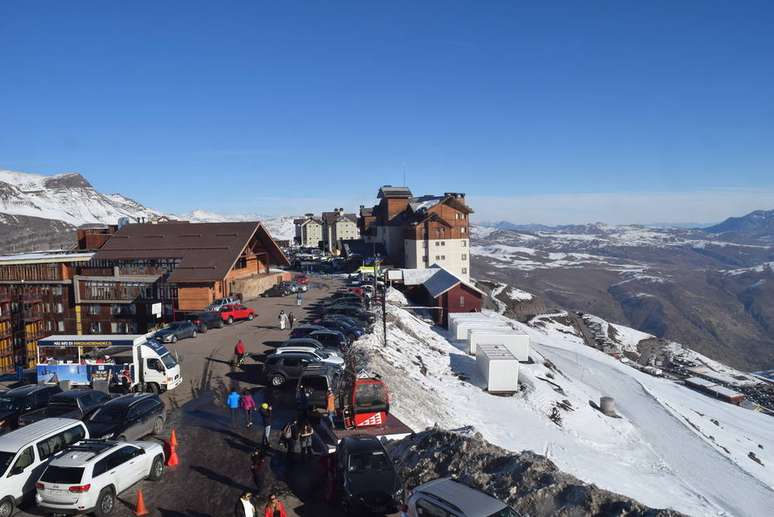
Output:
x=232 y=401
x=299 y=298
x=283 y=320
x=245 y=507
x=330 y=406
x=274 y=508
x=291 y=320
x=257 y=462
x=239 y=352
x=306 y=440
x=286 y=437
x=248 y=404
x=266 y=417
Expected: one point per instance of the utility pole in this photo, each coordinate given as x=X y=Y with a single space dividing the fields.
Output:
x=384 y=309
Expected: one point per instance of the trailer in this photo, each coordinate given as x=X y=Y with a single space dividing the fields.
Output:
x=518 y=344
x=499 y=368
x=123 y=362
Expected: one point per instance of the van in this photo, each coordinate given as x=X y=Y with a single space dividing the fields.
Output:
x=24 y=454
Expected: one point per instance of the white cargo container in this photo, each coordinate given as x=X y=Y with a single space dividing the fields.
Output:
x=455 y=318
x=518 y=344
x=499 y=368
x=464 y=326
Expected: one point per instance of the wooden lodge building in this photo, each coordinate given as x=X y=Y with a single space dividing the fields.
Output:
x=113 y=286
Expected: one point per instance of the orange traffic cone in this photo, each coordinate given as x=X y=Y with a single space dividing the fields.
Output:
x=140 y=508
x=173 y=438
x=172 y=460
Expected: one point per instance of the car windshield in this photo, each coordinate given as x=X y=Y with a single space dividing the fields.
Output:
x=505 y=512
x=9 y=403
x=369 y=462
x=323 y=354
x=5 y=460
x=169 y=361
x=178 y=324
x=107 y=415
x=63 y=475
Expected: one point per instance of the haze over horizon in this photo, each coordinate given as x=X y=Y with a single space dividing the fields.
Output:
x=553 y=114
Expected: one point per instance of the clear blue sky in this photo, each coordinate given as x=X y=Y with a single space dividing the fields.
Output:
x=230 y=105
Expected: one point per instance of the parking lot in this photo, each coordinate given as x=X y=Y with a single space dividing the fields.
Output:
x=214 y=457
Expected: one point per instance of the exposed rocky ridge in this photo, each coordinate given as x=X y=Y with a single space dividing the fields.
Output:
x=529 y=482
x=20 y=233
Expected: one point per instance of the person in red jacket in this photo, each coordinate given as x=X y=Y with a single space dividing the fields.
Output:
x=274 y=508
x=239 y=352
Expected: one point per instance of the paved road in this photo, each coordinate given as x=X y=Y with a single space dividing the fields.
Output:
x=214 y=467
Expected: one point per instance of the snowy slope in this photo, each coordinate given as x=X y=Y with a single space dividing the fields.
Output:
x=665 y=451
x=280 y=228
x=64 y=197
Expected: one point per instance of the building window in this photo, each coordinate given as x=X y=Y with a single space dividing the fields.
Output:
x=464 y=243
x=462 y=229
x=464 y=257
x=60 y=326
x=464 y=271
x=56 y=290
x=437 y=243
x=437 y=257
x=424 y=259
x=59 y=308
x=95 y=327
x=241 y=263
x=93 y=309
x=443 y=257
x=443 y=243
x=462 y=301
x=114 y=327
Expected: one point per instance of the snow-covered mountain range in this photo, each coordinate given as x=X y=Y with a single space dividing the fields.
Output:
x=38 y=211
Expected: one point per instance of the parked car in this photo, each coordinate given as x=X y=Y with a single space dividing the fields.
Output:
x=301 y=278
x=294 y=287
x=221 y=302
x=88 y=477
x=25 y=452
x=67 y=404
x=203 y=320
x=344 y=300
x=352 y=332
x=315 y=354
x=316 y=380
x=304 y=330
x=234 y=312
x=365 y=476
x=128 y=417
x=332 y=339
x=352 y=312
x=176 y=330
x=23 y=400
x=304 y=341
x=351 y=321
x=445 y=496
x=283 y=367
x=277 y=291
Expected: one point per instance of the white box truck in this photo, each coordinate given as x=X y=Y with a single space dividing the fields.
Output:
x=518 y=344
x=499 y=368
x=128 y=362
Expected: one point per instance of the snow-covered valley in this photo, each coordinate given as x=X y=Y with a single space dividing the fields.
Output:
x=671 y=448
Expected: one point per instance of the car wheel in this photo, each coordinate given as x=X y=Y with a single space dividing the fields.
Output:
x=174 y=339
x=230 y=320
x=250 y=317
x=158 y=426
x=106 y=503
x=152 y=387
x=157 y=468
x=6 y=507
x=220 y=324
x=277 y=380
x=193 y=334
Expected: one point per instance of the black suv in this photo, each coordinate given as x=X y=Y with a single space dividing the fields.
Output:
x=330 y=339
x=280 y=368
x=128 y=417
x=68 y=404
x=316 y=380
x=365 y=476
x=203 y=320
x=19 y=401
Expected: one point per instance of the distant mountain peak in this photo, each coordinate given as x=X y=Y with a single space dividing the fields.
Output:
x=756 y=225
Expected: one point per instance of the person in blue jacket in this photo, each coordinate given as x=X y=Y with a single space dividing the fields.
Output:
x=232 y=401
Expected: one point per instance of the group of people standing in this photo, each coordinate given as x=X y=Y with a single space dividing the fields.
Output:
x=245 y=403
x=286 y=321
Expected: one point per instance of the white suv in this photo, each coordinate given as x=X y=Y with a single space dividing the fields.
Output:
x=87 y=477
